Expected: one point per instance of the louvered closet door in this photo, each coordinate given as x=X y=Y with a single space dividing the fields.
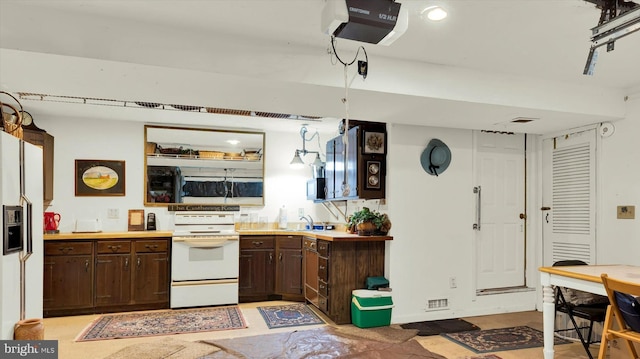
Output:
x=568 y=215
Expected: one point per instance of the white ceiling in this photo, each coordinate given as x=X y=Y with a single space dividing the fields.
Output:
x=489 y=62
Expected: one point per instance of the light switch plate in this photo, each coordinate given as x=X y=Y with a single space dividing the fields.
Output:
x=626 y=212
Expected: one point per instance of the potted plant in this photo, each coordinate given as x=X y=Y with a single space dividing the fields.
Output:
x=366 y=222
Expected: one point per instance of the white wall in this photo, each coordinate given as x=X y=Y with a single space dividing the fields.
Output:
x=118 y=140
x=432 y=228
x=618 y=240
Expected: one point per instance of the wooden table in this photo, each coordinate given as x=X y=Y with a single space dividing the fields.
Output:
x=585 y=278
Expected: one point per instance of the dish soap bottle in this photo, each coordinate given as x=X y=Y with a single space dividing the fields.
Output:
x=282 y=218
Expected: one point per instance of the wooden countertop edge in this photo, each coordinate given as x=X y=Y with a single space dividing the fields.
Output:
x=324 y=235
x=332 y=235
x=108 y=235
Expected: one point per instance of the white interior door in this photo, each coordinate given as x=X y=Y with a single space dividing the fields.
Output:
x=568 y=197
x=500 y=240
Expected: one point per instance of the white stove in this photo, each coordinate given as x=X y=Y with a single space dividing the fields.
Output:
x=204 y=260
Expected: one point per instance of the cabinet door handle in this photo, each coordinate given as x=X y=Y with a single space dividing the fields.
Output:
x=126 y=263
x=86 y=265
x=280 y=257
x=138 y=262
x=149 y=246
x=257 y=243
x=321 y=267
x=270 y=258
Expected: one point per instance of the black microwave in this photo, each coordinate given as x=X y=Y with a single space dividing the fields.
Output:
x=315 y=189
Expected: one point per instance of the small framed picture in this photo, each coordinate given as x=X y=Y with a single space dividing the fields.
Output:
x=136 y=220
x=99 y=178
x=373 y=142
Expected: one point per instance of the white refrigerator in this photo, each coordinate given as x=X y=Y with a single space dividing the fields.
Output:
x=22 y=240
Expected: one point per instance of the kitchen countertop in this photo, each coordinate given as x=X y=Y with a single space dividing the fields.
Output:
x=326 y=235
x=108 y=235
x=331 y=235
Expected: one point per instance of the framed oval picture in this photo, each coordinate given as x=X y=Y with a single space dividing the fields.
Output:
x=99 y=178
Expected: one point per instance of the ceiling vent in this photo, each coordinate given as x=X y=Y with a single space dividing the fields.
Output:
x=523 y=119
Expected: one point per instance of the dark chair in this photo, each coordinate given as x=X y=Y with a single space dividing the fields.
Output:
x=578 y=304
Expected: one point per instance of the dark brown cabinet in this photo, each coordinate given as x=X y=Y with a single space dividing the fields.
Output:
x=270 y=268
x=289 y=266
x=68 y=276
x=100 y=276
x=113 y=273
x=356 y=168
x=43 y=139
x=150 y=274
x=257 y=267
x=310 y=270
x=342 y=266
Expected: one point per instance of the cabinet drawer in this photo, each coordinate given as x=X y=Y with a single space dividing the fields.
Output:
x=323 y=288
x=323 y=248
x=151 y=246
x=290 y=242
x=323 y=304
x=113 y=247
x=323 y=269
x=310 y=244
x=67 y=248
x=257 y=242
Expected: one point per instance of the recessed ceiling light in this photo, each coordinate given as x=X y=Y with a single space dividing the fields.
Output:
x=233 y=142
x=434 y=13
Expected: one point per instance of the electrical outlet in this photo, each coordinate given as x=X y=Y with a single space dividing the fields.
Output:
x=300 y=212
x=113 y=213
x=453 y=282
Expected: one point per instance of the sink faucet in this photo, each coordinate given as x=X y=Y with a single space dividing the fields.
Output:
x=309 y=221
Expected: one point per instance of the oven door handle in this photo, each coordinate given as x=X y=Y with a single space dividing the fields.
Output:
x=209 y=243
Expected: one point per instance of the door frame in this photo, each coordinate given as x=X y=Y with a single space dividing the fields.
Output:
x=533 y=197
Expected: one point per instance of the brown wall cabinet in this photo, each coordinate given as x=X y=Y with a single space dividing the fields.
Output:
x=43 y=139
x=270 y=268
x=105 y=276
x=354 y=169
x=341 y=268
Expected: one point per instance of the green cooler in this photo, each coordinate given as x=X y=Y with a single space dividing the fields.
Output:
x=370 y=308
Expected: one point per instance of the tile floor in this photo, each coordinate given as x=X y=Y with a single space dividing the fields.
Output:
x=65 y=329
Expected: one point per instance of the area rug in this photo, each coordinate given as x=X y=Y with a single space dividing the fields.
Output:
x=165 y=348
x=503 y=339
x=289 y=315
x=437 y=327
x=322 y=342
x=179 y=321
x=389 y=334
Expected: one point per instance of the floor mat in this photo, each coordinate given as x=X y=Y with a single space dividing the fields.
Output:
x=165 y=348
x=144 y=324
x=289 y=315
x=437 y=327
x=503 y=339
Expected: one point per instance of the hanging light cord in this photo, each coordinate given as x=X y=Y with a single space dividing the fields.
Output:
x=345 y=185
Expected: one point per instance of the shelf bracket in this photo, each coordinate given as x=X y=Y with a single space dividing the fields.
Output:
x=344 y=217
